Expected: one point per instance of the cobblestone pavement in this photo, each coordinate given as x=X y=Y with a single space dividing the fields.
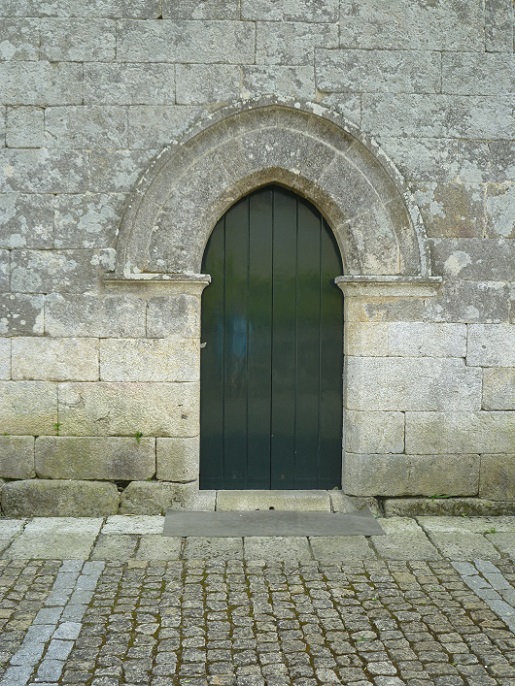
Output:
x=112 y=603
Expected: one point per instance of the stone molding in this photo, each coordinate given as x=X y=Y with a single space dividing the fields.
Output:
x=153 y=285
x=370 y=286
x=302 y=146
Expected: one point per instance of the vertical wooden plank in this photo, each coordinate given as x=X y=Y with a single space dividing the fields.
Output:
x=260 y=338
x=283 y=340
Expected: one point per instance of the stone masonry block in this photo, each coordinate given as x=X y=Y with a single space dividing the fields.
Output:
x=290 y=10
x=397 y=71
x=179 y=41
x=374 y=432
x=177 y=315
x=452 y=209
x=151 y=498
x=43 y=171
x=499 y=388
x=405 y=339
x=17 y=457
x=77 y=40
x=460 y=432
x=40 y=83
x=21 y=314
x=470 y=259
x=129 y=84
x=137 y=9
x=491 y=345
x=209 y=9
x=202 y=83
x=55 y=359
x=499 y=25
x=412 y=384
x=123 y=409
x=412 y=25
x=115 y=316
x=5 y=271
x=438 y=116
x=177 y=459
x=292 y=42
x=294 y=82
x=402 y=475
x=19 y=39
x=25 y=127
x=500 y=210
x=153 y=126
x=26 y=220
x=497 y=477
x=65 y=271
x=28 y=407
x=45 y=498
x=88 y=221
x=159 y=359
x=5 y=358
x=469 y=73
x=120 y=459
x=86 y=127
x=116 y=171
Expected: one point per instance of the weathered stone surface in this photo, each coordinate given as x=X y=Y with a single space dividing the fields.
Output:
x=452 y=507
x=17 y=457
x=155 y=498
x=59 y=499
x=160 y=359
x=196 y=548
x=43 y=171
x=25 y=127
x=499 y=388
x=5 y=359
x=76 y=40
x=65 y=271
x=276 y=548
x=153 y=409
x=499 y=210
x=204 y=42
x=142 y=84
x=21 y=314
x=292 y=42
x=40 y=83
x=374 y=432
x=349 y=503
x=497 y=477
x=9 y=529
x=114 y=547
x=26 y=220
x=401 y=475
x=290 y=10
x=88 y=315
x=209 y=9
x=405 y=339
x=460 y=544
x=498 y=26
x=296 y=82
x=116 y=171
x=86 y=127
x=159 y=548
x=59 y=359
x=28 y=407
x=452 y=209
x=404 y=540
x=412 y=384
x=19 y=39
x=491 y=345
x=471 y=73
x=175 y=315
x=87 y=221
x=137 y=524
x=5 y=270
x=357 y=70
x=200 y=84
x=412 y=25
x=473 y=260
x=153 y=126
x=120 y=459
x=140 y=9
x=177 y=459
x=277 y=500
x=463 y=432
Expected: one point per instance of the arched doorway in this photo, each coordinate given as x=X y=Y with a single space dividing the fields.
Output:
x=271 y=368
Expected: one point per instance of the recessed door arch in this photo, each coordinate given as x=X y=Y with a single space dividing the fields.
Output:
x=271 y=369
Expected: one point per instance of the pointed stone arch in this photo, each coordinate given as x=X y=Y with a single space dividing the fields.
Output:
x=306 y=148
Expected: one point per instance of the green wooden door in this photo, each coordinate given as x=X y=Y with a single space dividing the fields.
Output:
x=271 y=369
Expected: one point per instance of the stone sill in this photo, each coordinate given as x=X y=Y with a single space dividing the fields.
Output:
x=372 y=286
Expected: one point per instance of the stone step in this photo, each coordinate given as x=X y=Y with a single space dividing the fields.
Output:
x=274 y=500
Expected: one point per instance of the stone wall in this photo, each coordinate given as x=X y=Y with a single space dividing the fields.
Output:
x=99 y=376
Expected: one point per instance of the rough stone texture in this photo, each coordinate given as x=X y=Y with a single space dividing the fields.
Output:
x=28 y=407
x=405 y=339
x=25 y=127
x=59 y=498
x=59 y=359
x=173 y=316
x=374 y=432
x=292 y=42
x=145 y=498
x=499 y=388
x=177 y=459
x=277 y=500
x=142 y=84
x=5 y=359
x=404 y=540
x=17 y=457
x=27 y=219
x=74 y=40
x=19 y=40
x=497 y=477
x=453 y=507
x=121 y=459
x=491 y=345
x=69 y=538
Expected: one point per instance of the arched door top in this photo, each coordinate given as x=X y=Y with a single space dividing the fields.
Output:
x=308 y=149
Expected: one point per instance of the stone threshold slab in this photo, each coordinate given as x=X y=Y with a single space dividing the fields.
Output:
x=270 y=523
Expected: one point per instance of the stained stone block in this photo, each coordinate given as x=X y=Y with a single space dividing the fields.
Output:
x=473 y=260
x=44 y=498
x=86 y=127
x=499 y=25
x=120 y=459
x=19 y=39
x=405 y=339
x=292 y=42
x=154 y=126
x=88 y=221
x=471 y=73
x=21 y=314
x=452 y=209
x=290 y=10
x=28 y=407
x=129 y=84
x=412 y=384
x=5 y=358
x=143 y=497
x=177 y=315
x=402 y=475
x=491 y=345
x=395 y=71
x=198 y=84
x=166 y=359
x=295 y=82
x=76 y=40
x=89 y=316
x=500 y=210
x=374 y=432
x=497 y=477
x=208 y=9
x=139 y=9
x=5 y=271
x=17 y=457
x=123 y=409
x=25 y=127
x=177 y=459
x=41 y=83
x=43 y=171
x=499 y=388
x=116 y=171
x=64 y=359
